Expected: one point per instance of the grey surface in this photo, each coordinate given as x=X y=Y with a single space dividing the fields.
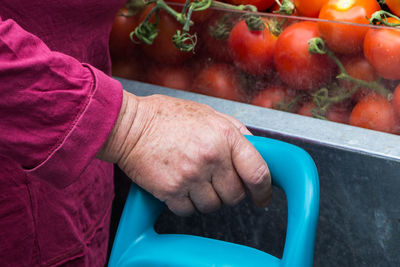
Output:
x=359 y=223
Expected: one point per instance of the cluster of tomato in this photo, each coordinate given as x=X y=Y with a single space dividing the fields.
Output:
x=353 y=77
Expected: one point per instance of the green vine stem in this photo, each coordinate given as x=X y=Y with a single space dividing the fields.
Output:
x=218 y=4
x=146 y=31
x=317 y=46
x=183 y=40
x=284 y=105
x=135 y=4
x=323 y=101
x=285 y=8
x=381 y=18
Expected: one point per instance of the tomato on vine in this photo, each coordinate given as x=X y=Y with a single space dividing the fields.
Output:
x=296 y=66
x=342 y=37
x=339 y=112
x=376 y=113
x=219 y=80
x=175 y=77
x=128 y=68
x=252 y=50
x=213 y=37
x=162 y=49
x=359 y=68
x=274 y=96
x=120 y=44
x=382 y=50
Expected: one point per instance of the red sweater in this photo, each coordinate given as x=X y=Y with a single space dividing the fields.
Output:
x=57 y=107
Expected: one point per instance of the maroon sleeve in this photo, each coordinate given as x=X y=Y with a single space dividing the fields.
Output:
x=55 y=112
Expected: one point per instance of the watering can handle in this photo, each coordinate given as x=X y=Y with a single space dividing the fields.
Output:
x=292 y=169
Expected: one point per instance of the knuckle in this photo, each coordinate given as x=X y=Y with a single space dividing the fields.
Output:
x=171 y=189
x=189 y=172
x=228 y=130
x=208 y=153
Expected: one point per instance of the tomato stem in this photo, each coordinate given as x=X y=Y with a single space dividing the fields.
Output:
x=136 y=4
x=317 y=46
x=323 y=101
x=218 y=4
x=180 y=17
x=147 y=32
x=184 y=41
x=221 y=29
x=380 y=18
x=254 y=23
x=288 y=106
x=286 y=7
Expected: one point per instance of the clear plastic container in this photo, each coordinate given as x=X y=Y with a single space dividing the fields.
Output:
x=342 y=72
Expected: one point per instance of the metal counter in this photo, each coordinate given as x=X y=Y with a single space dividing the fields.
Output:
x=359 y=223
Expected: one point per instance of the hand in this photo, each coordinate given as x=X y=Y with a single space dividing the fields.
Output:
x=186 y=154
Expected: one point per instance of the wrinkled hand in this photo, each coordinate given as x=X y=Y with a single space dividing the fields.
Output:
x=186 y=154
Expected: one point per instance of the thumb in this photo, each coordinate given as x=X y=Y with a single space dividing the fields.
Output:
x=253 y=171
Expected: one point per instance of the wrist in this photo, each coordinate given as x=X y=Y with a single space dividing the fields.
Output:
x=113 y=149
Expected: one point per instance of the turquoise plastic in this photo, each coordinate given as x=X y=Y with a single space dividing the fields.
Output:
x=292 y=169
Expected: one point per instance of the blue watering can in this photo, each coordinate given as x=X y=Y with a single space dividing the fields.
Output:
x=292 y=169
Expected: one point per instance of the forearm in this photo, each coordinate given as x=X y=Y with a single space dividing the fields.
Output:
x=55 y=112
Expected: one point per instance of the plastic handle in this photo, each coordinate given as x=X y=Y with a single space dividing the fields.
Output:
x=292 y=169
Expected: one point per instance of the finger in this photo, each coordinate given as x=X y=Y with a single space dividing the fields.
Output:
x=253 y=171
x=242 y=128
x=228 y=185
x=181 y=206
x=204 y=198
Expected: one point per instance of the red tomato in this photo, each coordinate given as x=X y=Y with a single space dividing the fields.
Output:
x=382 y=50
x=307 y=109
x=309 y=8
x=252 y=51
x=344 y=38
x=376 y=113
x=128 y=68
x=120 y=44
x=261 y=5
x=272 y=96
x=339 y=112
x=359 y=68
x=295 y=65
x=172 y=77
x=394 y=6
x=396 y=100
x=163 y=50
x=215 y=48
x=219 y=80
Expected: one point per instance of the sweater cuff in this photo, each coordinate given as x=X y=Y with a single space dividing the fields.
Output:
x=87 y=135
